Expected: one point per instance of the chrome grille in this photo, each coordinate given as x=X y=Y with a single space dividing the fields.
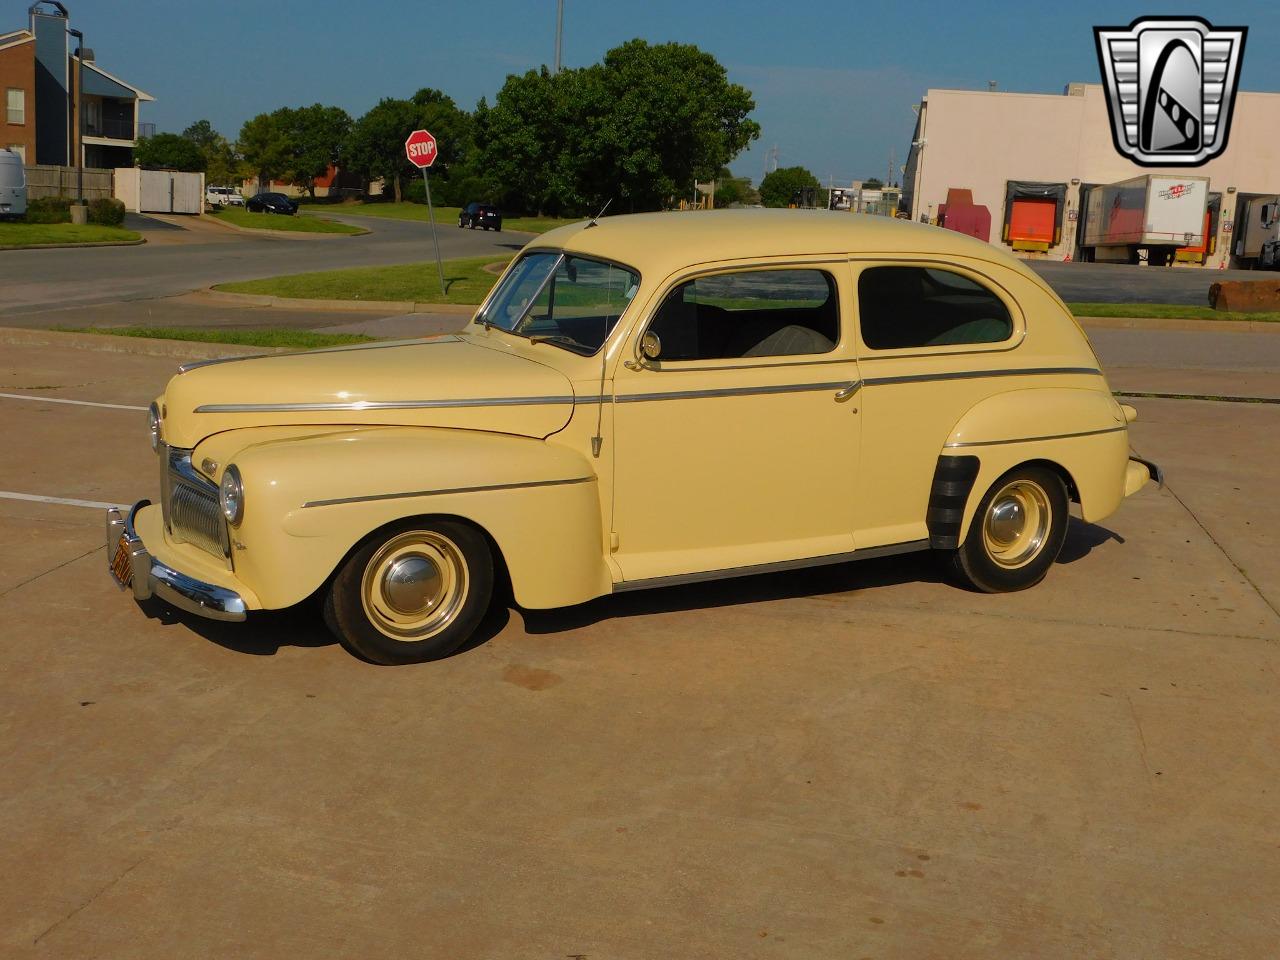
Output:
x=190 y=505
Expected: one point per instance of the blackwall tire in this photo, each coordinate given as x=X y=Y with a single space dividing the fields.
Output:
x=414 y=592
x=1017 y=532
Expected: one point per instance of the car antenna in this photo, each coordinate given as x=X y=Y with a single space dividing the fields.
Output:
x=598 y=215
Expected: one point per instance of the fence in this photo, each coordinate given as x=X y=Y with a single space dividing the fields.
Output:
x=44 y=180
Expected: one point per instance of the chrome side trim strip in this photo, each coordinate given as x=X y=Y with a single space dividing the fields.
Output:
x=734 y=392
x=979 y=374
x=657 y=367
x=1056 y=436
x=439 y=493
x=631 y=397
x=780 y=566
x=380 y=405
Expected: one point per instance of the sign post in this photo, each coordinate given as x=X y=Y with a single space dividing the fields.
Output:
x=421 y=150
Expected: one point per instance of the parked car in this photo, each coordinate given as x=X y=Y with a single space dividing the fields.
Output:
x=223 y=197
x=484 y=215
x=640 y=401
x=271 y=203
x=13 y=185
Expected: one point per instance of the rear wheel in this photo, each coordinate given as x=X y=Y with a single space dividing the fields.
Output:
x=413 y=593
x=1016 y=533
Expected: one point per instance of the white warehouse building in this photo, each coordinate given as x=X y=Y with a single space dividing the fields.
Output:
x=1030 y=159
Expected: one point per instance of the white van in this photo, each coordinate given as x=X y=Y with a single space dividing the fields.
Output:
x=13 y=185
x=223 y=196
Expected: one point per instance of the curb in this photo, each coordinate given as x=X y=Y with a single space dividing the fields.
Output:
x=287 y=234
x=107 y=343
x=336 y=306
x=1176 y=323
x=72 y=246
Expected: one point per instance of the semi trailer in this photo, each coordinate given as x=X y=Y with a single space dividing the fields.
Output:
x=1148 y=218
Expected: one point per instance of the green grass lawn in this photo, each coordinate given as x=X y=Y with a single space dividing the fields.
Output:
x=445 y=216
x=296 y=339
x=466 y=280
x=39 y=234
x=275 y=221
x=1172 y=311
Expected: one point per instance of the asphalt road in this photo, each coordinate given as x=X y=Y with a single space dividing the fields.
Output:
x=172 y=263
x=1122 y=283
x=184 y=254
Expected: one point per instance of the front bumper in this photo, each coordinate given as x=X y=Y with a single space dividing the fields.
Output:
x=132 y=566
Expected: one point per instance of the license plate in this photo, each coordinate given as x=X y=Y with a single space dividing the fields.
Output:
x=122 y=563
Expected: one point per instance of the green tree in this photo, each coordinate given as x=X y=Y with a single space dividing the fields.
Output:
x=637 y=129
x=316 y=136
x=222 y=165
x=670 y=116
x=264 y=145
x=778 y=187
x=873 y=184
x=168 y=151
x=731 y=189
x=202 y=134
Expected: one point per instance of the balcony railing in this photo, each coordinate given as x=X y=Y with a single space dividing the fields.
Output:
x=113 y=127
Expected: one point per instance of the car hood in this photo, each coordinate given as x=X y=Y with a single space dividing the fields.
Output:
x=447 y=381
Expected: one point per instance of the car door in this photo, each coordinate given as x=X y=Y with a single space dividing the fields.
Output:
x=737 y=441
x=935 y=338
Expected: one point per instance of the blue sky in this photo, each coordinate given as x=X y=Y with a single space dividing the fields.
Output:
x=833 y=81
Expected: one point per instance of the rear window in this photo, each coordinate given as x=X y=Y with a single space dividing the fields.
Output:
x=902 y=307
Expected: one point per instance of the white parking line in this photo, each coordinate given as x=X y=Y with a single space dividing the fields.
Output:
x=78 y=403
x=65 y=501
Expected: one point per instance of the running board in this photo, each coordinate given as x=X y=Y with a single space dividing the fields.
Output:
x=780 y=566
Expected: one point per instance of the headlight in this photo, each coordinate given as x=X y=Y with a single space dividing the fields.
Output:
x=231 y=496
x=153 y=424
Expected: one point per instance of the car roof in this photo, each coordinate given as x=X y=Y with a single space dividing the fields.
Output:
x=666 y=242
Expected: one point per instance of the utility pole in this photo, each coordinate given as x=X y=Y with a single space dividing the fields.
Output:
x=559 y=32
x=81 y=211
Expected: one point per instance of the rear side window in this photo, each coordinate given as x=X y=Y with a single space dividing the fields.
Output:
x=758 y=313
x=928 y=307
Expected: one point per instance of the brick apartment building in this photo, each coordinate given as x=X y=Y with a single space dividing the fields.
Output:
x=38 y=71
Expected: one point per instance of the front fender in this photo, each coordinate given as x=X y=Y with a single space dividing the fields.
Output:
x=1084 y=432
x=310 y=499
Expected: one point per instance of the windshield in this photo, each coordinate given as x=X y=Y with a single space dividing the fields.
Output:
x=568 y=301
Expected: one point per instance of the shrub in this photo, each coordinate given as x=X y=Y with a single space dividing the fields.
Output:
x=49 y=210
x=107 y=211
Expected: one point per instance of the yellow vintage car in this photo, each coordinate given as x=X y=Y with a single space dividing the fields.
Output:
x=641 y=401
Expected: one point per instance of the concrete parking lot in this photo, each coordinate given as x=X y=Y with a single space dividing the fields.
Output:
x=857 y=761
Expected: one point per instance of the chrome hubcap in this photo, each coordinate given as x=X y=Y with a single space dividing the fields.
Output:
x=1017 y=523
x=414 y=585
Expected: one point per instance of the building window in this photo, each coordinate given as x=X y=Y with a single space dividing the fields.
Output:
x=20 y=149
x=911 y=306
x=16 y=102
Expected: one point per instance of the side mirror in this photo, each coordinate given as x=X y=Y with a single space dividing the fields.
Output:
x=650 y=345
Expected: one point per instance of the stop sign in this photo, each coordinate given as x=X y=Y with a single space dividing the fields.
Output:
x=420 y=148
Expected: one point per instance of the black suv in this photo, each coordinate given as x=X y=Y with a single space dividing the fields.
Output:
x=271 y=203
x=484 y=215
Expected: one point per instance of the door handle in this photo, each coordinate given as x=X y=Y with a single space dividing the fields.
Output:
x=849 y=391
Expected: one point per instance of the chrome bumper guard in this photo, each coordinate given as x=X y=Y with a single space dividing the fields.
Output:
x=1154 y=469
x=131 y=566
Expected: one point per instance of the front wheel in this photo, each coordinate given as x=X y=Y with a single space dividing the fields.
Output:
x=1016 y=533
x=412 y=593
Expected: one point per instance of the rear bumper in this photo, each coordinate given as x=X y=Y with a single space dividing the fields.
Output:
x=1137 y=474
x=133 y=567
